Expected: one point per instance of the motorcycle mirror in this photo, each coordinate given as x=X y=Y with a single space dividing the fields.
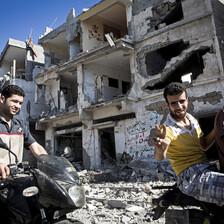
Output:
x=30 y=191
x=3 y=145
x=67 y=151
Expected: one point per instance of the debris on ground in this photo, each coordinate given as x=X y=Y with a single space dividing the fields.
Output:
x=121 y=195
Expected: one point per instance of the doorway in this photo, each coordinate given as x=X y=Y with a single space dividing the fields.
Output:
x=72 y=140
x=107 y=142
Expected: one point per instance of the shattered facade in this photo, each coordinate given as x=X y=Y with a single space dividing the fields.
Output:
x=20 y=62
x=105 y=71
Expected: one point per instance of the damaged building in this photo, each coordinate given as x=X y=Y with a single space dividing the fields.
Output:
x=105 y=71
x=20 y=62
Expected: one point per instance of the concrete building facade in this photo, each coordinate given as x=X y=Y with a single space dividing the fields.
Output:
x=105 y=71
x=20 y=62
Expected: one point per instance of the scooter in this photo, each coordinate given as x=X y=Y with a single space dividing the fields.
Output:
x=42 y=195
x=188 y=209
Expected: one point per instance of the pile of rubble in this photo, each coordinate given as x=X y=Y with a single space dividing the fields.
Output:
x=120 y=196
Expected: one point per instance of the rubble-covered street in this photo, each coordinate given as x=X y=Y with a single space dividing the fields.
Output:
x=95 y=84
x=112 y=199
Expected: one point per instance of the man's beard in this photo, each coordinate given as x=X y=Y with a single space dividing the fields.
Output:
x=178 y=117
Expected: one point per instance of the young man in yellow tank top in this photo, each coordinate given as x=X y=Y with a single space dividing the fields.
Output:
x=181 y=140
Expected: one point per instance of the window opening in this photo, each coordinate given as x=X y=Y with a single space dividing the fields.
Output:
x=115 y=118
x=156 y=60
x=115 y=33
x=193 y=64
x=74 y=141
x=125 y=87
x=174 y=13
x=113 y=82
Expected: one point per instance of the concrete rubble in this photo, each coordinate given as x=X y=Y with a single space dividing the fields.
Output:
x=120 y=195
x=95 y=83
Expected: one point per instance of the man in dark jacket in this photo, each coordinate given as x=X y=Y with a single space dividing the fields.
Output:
x=15 y=135
x=12 y=131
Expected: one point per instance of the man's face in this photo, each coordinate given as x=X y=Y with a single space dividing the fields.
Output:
x=12 y=105
x=177 y=104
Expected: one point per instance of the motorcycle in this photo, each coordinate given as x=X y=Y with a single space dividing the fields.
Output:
x=42 y=194
x=192 y=211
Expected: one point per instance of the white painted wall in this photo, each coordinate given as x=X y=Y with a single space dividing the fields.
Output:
x=6 y=67
x=74 y=48
x=140 y=26
x=137 y=132
x=92 y=33
x=88 y=144
x=93 y=71
x=39 y=52
x=192 y=8
x=89 y=84
x=52 y=88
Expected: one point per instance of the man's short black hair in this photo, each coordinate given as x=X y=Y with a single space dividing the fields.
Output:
x=174 y=88
x=10 y=90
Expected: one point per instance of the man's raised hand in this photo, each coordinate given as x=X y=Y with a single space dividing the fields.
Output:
x=160 y=142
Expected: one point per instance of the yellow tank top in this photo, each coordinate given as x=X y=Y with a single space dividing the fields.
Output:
x=184 y=149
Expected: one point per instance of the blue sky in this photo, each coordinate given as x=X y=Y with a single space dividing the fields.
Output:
x=21 y=18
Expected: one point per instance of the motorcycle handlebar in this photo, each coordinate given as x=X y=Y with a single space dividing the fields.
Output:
x=18 y=168
x=12 y=168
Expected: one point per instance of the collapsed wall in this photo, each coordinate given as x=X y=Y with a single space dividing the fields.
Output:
x=118 y=88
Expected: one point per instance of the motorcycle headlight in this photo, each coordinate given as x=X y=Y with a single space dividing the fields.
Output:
x=77 y=194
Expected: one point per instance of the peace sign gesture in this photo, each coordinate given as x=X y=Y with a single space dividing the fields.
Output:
x=161 y=143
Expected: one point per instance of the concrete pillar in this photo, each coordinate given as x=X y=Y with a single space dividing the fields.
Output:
x=97 y=153
x=74 y=48
x=80 y=86
x=129 y=18
x=14 y=72
x=49 y=140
